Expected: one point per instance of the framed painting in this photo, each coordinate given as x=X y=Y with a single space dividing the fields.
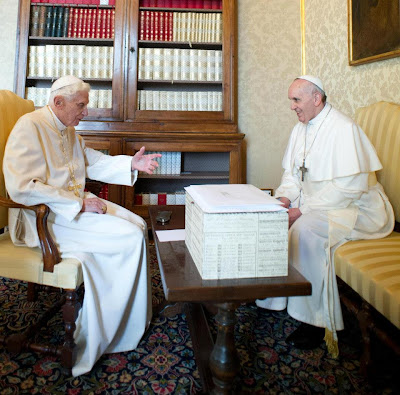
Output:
x=374 y=30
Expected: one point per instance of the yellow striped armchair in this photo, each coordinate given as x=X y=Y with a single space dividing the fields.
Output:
x=371 y=268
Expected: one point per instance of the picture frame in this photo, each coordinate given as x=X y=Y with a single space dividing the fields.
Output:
x=373 y=30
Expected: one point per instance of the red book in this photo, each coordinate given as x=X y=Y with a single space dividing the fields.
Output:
x=199 y=4
x=215 y=4
x=84 y=23
x=92 y=30
x=103 y=24
x=108 y=23
x=171 y=26
x=151 y=26
x=207 y=4
x=145 y=3
x=79 y=23
x=138 y=199
x=141 y=24
x=160 y=3
x=111 y=2
x=98 y=22
x=161 y=22
x=191 y=4
x=175 y=3
x=156 y=26
x=147 y=25
x=162 y=198
x=168 y=3
x=152 y=3
x=71 y=21
x=89 y=25
x=184 y=4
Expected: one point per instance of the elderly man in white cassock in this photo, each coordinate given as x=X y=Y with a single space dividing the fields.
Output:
x=332 y=196
x=45 y=161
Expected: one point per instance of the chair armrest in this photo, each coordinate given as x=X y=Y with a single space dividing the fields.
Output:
x=51 y=255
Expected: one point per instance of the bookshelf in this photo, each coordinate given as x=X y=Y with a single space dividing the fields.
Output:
x=164 y=72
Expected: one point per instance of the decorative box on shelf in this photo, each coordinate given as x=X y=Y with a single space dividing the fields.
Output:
x=236 y=231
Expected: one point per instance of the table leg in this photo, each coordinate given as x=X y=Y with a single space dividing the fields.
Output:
x=224 y=359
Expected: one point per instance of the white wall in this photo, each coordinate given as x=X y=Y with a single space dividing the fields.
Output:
x=8 y=29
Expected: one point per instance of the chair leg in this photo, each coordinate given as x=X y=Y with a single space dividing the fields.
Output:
x=32 y=293
x=366 y=326
x=70 y=313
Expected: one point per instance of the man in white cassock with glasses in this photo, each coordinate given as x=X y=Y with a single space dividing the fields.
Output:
x=330 y=189
x=45 y=161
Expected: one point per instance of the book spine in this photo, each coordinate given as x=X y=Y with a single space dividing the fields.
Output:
x=60 y=19
x=54 y=21
x=42 y=20
x=34 y=22
x=65 y=24
x=48 y=25
x=141 y=25
x=113 y=23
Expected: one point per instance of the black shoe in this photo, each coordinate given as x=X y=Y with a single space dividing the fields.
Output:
x=306 y=337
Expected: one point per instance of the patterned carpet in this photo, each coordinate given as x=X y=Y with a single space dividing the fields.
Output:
x=164 y=362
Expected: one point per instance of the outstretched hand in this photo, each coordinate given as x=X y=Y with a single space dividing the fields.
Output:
x=143 y=162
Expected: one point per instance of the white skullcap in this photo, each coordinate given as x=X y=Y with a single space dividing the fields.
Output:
x=315 y=80
x=64 y=81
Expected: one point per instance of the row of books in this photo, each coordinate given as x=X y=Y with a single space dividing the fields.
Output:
x=169 y=163
x=78 y=2
x=75 y=22
x=179 y=101
x=176 y=64
x=159 y=198
x=98 y=98
x=80 y=60
x=202 y=4
x=180 y=26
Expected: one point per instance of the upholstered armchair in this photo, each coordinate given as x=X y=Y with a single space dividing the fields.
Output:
x=40 y=267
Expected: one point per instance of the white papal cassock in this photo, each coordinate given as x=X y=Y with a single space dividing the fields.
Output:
x=112 y=247
x=339 y=199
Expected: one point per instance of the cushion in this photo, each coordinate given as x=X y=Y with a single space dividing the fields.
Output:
x=27 y=265
x=372 y=269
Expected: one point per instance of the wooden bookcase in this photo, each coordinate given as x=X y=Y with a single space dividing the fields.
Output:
x=209 y=136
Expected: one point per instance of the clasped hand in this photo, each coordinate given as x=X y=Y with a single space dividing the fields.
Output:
x=94 y=205
x=143 y=162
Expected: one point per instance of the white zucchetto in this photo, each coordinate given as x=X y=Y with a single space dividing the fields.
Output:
x=62 y=82
x=314 y=80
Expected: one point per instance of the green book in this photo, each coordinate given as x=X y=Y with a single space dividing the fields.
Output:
x=64 y=32
x=60 y=20
x=54 y=21
x=48 y=23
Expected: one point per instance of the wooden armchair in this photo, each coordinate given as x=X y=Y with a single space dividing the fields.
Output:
x=40 y=267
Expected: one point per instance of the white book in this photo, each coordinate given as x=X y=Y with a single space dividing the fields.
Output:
x=171 y=199
x=142 y=100
x=196 y=27
x=57 y=66
x=177 y=65
x=185 y=18
x=164 y=100
x=167 y=65
x=101 y=99
x=185 y=64
x=157 y=64
x=170 y=101
x=163 y=163
x=149 y=100
x=190 y=98
x=218 y=65
x=175 y=27
x=203 y=101
x=80 y=61
x=141 y=64
x=180 y=197
x=219 y=28
x=146 y=198
x=193 y=60
x=33 y=61
x=104 y=61
x=184 y=106
x=153 y=198
x=202 y=64
x=71 y=55
x=93 y=98
x=196 y=101
x=41 y=67
x=178 y=101
x=219 y=101
x=177 y=163
x=109 y=98
x=213 y=26
x=156 y=100
x=110 y=66
x=148 y=63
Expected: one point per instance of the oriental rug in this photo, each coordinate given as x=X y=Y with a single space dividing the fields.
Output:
x=164 y=362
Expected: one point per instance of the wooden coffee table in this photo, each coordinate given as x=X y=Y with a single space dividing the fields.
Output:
x=218 y=362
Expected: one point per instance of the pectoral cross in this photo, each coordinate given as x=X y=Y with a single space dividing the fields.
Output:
x=75 y=187
x=303 y=169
